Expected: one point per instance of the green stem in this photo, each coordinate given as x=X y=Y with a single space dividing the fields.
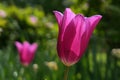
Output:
x=66 y=73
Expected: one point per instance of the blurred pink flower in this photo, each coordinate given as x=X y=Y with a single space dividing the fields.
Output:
x=75 y=31
x=26 y=52
x=2 y=14
x=33 y=19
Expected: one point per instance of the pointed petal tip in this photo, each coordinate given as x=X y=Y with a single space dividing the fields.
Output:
x=95 y=18
x=35 y=45
x=55 y=12
x=99 y=16
x=17 y=43
x=33 y=48
x=58 y=16
x=68 y=10
x=18 y=46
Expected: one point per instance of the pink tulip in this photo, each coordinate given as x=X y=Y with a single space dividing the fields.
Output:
x=26 y=52
x=75 y=31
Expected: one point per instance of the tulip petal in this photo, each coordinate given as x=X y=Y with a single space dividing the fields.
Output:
x=79 y=29
x=84 y=38
x=68 y=16
x=93 y=22
x=58 y=16
x=71 y=40
x=90 y=24
x=76 y=44
x=25 y=52
x=33 y=48
x=63 y=47
x=19 y=46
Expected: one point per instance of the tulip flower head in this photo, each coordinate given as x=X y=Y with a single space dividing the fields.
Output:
x=75 y=31
x=26 y=52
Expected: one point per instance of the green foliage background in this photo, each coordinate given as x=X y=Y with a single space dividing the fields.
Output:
x=98 y=63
